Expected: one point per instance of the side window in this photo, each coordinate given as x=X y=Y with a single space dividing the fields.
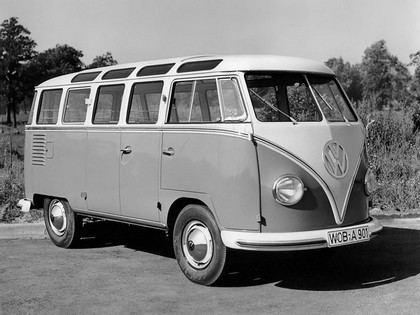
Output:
x=76 y=107
x=144 y=103
x=185 y=103
x=212 y=99
x=233 y=109
x=48 y=107
x=206 y=100
x=108 y=104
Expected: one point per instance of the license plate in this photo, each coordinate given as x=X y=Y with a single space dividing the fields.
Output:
x=348 y=236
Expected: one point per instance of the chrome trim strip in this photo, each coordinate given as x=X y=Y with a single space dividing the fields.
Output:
x=198 y=130
x=182 y=129
x=309 y=244
x=57 y=128
x=122 y=219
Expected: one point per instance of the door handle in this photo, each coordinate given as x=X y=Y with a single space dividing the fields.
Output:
x=169 y=151
x=126 y=150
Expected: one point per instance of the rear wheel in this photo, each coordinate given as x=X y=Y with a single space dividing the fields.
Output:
x=198 y=246
x=62 y=224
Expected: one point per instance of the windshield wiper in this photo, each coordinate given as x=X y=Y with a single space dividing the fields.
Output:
x=294 y=121
x=329 y=106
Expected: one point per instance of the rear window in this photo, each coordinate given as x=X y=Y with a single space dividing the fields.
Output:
x=48 y=106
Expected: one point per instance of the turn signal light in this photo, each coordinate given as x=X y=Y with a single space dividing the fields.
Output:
x=370 y=182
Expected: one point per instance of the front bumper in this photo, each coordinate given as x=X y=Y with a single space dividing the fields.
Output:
x=288 y=241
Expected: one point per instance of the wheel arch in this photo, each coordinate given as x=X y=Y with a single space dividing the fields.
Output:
x=38 y=200
x=177 y=207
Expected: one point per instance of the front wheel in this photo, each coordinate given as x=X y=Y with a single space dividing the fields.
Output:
x=198 y=246
x=62 y=224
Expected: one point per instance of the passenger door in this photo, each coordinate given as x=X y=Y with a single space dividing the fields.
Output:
x=103 y=151
x=140 y=153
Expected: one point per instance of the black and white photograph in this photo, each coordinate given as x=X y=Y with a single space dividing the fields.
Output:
x=209 y=157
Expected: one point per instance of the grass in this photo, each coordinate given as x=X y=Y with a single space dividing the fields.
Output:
x=11 y=172
x=392 y=148
x=394 y=156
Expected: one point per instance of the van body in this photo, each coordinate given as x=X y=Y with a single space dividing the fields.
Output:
x=258 y=153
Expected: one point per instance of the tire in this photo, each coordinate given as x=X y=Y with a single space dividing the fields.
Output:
x=198 y=246
x=62 y=224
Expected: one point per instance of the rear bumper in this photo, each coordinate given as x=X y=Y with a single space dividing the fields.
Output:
x=291 y=240
x=24 y=205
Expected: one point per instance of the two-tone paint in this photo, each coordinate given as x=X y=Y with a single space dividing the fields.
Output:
x=145 y=174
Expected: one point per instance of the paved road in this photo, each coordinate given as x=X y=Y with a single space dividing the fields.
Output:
x=133 y=271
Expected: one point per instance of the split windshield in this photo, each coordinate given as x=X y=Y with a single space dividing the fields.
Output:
x=278 y=97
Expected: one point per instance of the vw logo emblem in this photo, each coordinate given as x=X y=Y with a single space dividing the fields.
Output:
x=335 y=159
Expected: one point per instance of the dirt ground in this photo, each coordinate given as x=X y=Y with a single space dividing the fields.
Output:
x=133 y=271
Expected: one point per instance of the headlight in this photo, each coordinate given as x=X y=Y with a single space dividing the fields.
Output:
x=370 y=182
x=288 y=190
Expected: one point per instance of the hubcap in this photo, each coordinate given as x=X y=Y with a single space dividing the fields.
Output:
x=57 y=217
x=197 y=244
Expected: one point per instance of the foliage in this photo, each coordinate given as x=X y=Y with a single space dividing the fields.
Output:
x=349 y=76
x=415 y=84
x=393 y=152
x=22 y=68
x=53 y=62
x=103 y=61
x=11 y=178
x=385 y=76
x=382 y=87
x=16 y=49
x=380 y=76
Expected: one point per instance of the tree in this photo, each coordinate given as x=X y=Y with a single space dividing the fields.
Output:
x=102 y=61
x=376 y=69
x=384 y=77
x=349 y=77
x=16 y=49
x=53 y=62
x=401 y=82
x=415 y=85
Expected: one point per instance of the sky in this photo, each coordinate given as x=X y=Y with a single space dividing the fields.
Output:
x=137 y=30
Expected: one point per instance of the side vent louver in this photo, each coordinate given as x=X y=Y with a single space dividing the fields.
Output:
x=39 y=142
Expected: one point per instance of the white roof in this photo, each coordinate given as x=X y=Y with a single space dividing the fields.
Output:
x=228 y=63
